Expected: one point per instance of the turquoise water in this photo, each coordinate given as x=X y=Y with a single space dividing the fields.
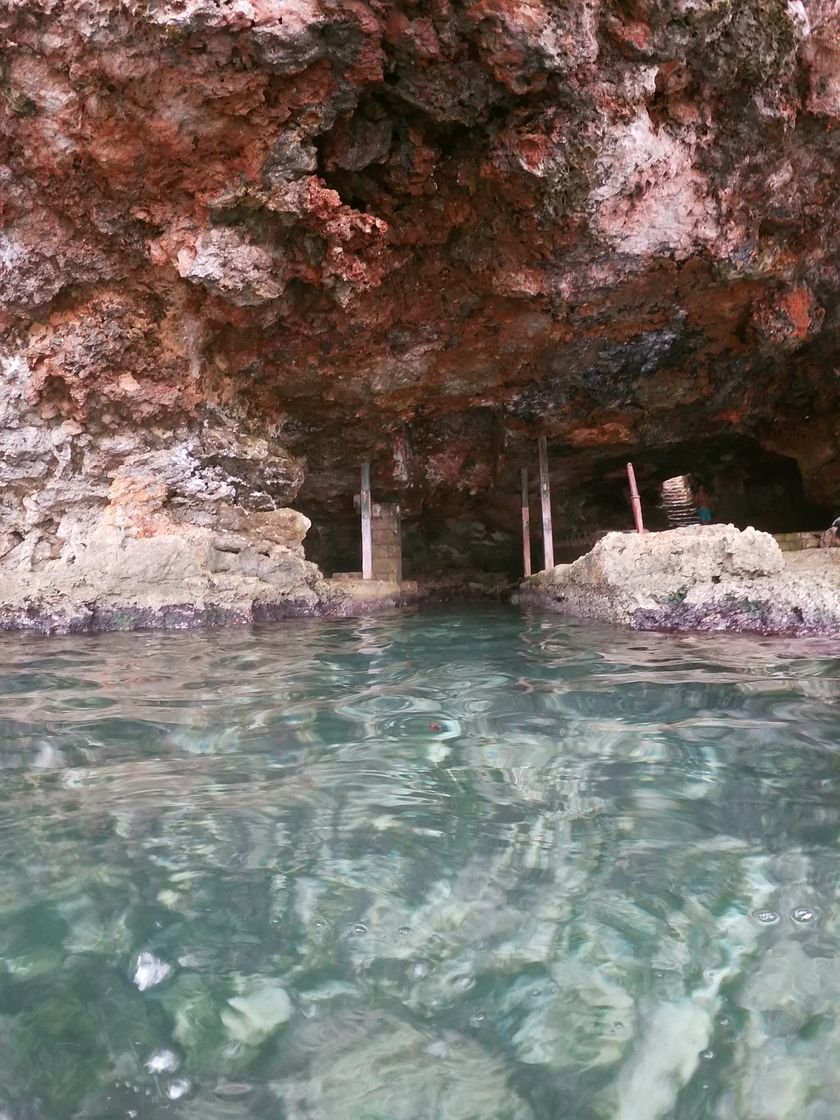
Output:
x=443 y=866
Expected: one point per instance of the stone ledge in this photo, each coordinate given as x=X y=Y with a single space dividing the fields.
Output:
x=190 y=604
x=797 y=542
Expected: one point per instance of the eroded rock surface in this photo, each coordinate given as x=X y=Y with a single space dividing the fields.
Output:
x=167 y=527
x=258 y=243
x=696 y=578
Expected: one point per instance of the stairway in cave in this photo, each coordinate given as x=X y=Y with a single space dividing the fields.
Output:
x=678 y=502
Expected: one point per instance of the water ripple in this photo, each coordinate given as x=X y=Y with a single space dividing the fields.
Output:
x=422 y=866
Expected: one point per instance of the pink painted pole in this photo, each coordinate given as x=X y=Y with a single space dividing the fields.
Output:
x=635 y=500
x=526 y=524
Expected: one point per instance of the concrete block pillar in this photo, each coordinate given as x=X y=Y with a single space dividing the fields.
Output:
x=387 y=541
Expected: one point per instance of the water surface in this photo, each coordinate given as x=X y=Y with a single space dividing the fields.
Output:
x=461 y=865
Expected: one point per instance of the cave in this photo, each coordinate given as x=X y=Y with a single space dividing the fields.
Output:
x=449 y=531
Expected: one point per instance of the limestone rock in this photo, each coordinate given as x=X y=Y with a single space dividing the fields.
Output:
x=280 y=526
x=180 y=525
x=693 y=578
x=415 y=234
x=260 y=1008
x=228 y=264
x=363 y=1056
x=633 y=562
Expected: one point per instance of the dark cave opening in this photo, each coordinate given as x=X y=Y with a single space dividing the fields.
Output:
x=451 y=531
x=433 y=542
x=747 y=485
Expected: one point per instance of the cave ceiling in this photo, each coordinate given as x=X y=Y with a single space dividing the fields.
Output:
x=424 y=233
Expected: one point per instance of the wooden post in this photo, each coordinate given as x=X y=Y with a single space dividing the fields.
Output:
x=367 y=533
x=526 y=524
x=545 y=498
x=635 y=500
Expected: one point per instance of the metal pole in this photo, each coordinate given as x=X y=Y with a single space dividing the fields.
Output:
x=635 y=500
x=526 y=524
x=545 y=498
x=367 y=532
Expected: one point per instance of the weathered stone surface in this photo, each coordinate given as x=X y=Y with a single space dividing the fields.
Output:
x=172 y=526
x=695 y=578
x=630 y=562
x=173 y=583
x=226 y=263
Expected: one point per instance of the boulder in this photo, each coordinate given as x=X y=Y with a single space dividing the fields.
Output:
x=668 y=561
x=693 y=578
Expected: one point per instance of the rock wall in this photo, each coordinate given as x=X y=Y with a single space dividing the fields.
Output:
x=245 y=244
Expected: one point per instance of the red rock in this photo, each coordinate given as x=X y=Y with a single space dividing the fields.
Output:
x=421 y=234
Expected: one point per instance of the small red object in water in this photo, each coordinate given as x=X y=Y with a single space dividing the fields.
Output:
x=435 y=727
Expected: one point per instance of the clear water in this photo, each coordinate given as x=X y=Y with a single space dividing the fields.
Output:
x=448 y=866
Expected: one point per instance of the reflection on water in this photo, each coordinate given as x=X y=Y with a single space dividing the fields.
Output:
x=466 y=866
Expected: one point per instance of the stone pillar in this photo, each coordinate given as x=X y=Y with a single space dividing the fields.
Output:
x=387 y=541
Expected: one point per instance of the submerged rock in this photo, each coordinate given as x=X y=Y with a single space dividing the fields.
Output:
x=693 y=578
x=257 y=1012
x=370 y=1065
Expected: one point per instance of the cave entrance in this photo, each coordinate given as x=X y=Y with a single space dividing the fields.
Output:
x=741 y=482
x=452 y=532
x=443 y=535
